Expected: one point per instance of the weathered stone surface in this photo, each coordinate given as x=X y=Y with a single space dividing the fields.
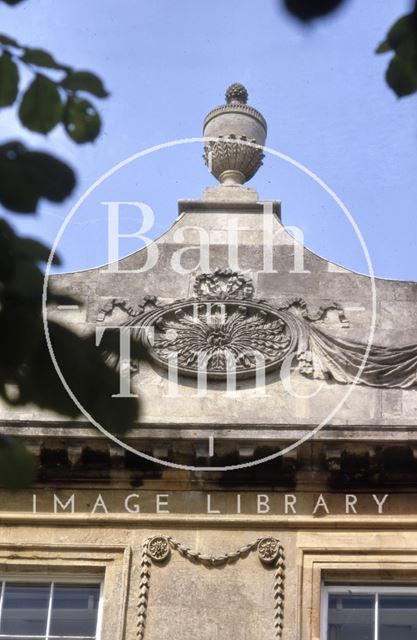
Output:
x=320 y=285
x=340 y=503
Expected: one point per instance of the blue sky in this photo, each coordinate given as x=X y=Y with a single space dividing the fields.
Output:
x=321 y=89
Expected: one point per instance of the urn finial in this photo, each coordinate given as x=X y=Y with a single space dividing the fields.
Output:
x=237 y=93
x=236 y=134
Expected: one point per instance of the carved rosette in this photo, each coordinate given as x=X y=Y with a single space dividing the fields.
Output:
x=268 y=550
x=218 y=337
x=158 y=548
x=221 y=331
x=233 y=158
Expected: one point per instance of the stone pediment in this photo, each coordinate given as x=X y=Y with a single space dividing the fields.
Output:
x=319 y=315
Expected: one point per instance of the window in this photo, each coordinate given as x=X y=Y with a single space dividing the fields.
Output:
x=36 y=609
x=369 y=613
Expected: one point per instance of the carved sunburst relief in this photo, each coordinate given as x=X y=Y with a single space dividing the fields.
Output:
x=223 y=329
x=220 y=336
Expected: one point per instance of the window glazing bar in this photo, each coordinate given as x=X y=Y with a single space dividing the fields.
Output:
x=3 y=586
x=48 y=621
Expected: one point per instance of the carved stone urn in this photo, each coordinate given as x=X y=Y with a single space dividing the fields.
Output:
x=235 y=133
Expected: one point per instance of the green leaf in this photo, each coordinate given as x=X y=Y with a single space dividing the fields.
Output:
x=27 y=176
x=9 y=80
x=27 y=280
x=41 y=108
x=41 y=58
x=17 y=466
x=384 y=47
x=81 y=120
x=13 y=2
x=407 y=50
x=403 y=28
x=53 y=179
x=307 y=10
x=85 y=81
x=16 y=194
x=9 y=42
x=21 y=317
x=401 y=74
x=7 y=237
x=92 y=381
x=401 y=77
x=33 y=249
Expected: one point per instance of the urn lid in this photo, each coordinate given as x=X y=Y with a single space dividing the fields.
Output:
x=236 y=102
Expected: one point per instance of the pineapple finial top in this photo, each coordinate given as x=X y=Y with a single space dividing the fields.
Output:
x=236 y=93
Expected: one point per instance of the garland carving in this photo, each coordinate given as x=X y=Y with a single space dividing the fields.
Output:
x=158 y=549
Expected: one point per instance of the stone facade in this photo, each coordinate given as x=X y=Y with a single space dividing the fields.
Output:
x=184 y=551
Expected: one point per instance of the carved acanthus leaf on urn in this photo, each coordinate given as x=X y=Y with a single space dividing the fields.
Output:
x=233 y=157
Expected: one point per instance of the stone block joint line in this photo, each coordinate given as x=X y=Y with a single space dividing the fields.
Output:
x=158 y=549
